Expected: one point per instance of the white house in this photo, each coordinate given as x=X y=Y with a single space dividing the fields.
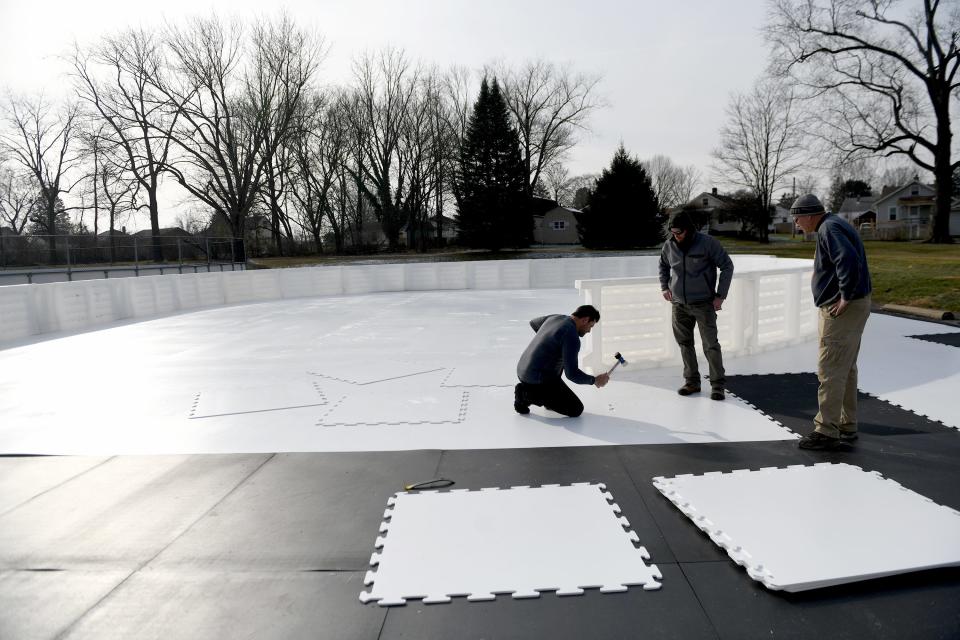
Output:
x=906 y=212
x=713 y=203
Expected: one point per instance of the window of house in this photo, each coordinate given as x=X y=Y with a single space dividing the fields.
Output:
x=915 y=191
x=893 y=213
x=559 y=225
x=706 y=202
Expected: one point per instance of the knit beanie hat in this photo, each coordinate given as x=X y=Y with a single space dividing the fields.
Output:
x=807 y=205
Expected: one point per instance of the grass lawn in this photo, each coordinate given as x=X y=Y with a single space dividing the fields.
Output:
x=915 y=274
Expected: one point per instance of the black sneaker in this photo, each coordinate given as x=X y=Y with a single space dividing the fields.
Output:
x=520 y=404
x=819 y=442
x=688 y=389
x=717 y=394
x=848 y=436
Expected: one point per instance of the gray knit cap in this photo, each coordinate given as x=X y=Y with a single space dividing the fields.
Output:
x=807 y=205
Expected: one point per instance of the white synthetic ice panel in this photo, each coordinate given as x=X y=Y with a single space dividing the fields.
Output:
x=250 y=399
x=499 y=373
x=425 y=406
x=803 y=528
x=519 y=541
x=369 y=370
x=409 y=343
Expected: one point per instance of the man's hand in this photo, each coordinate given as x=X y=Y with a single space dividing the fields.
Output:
x=601 y=380
x=717 y=304
x=838 y=307
x=667 y=295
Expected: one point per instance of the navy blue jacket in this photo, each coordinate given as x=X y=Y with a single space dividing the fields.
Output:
x=840 y=264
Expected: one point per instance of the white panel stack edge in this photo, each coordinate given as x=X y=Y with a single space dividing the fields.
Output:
x=807 y=527
x=518 y=541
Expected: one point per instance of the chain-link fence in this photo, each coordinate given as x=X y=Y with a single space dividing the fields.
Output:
x=20 y=252
x=27 y=255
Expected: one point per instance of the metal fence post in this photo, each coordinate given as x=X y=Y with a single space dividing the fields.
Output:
x=180 y=255
x=136 y=258
x=69 y=270
x=206 y=244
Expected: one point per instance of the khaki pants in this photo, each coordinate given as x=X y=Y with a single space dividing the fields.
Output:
x=837 y=368
x=704 y=316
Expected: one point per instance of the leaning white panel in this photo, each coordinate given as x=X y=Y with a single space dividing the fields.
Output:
x=803 y=528
x=519 y=541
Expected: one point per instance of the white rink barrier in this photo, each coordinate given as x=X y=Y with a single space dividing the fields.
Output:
x=34 y=309
x=769 y=307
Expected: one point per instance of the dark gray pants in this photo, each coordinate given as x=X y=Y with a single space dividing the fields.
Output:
x=704 y=316
x=553 y=394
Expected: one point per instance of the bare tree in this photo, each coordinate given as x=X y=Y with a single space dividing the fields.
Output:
x=581 y=187
x=428 y=152
x=194 y=221
x=320 y=150
x=17 y=193
x=760 y=145
x=884 y=79
x=897 y=175
x=673 y=184
x=232 y=118
x=556 y=180
x=118 y=80
x=386 y=86
x=42 y=139
x=550 y=106
x=459 y=95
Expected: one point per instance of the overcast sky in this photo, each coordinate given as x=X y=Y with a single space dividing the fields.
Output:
x=668 y=66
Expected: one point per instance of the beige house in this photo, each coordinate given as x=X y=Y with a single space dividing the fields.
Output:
x=556 y=226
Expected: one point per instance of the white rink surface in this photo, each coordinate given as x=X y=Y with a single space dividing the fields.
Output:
x=841 y=524
x=388 y=371
x=518 y=541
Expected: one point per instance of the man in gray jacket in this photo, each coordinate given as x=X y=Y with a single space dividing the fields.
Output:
x=689 y=262
x=551 y=352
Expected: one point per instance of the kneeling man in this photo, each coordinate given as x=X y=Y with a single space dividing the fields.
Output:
x=551 y=352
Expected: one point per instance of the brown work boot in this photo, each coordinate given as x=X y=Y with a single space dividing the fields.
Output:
x=688 y=388
x=717 y=394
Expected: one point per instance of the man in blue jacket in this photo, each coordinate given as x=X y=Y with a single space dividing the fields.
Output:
x=551 y=352
x=841 y=290
x=689 y=262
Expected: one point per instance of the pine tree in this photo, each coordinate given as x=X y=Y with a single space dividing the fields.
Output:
x=490 y=185
x=622 y=211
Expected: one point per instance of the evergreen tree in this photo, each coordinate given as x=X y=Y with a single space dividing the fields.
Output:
x=623 y=210
x=841 y=190
x=490 y=186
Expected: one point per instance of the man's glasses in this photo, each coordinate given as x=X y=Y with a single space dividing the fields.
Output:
x=678 y=232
